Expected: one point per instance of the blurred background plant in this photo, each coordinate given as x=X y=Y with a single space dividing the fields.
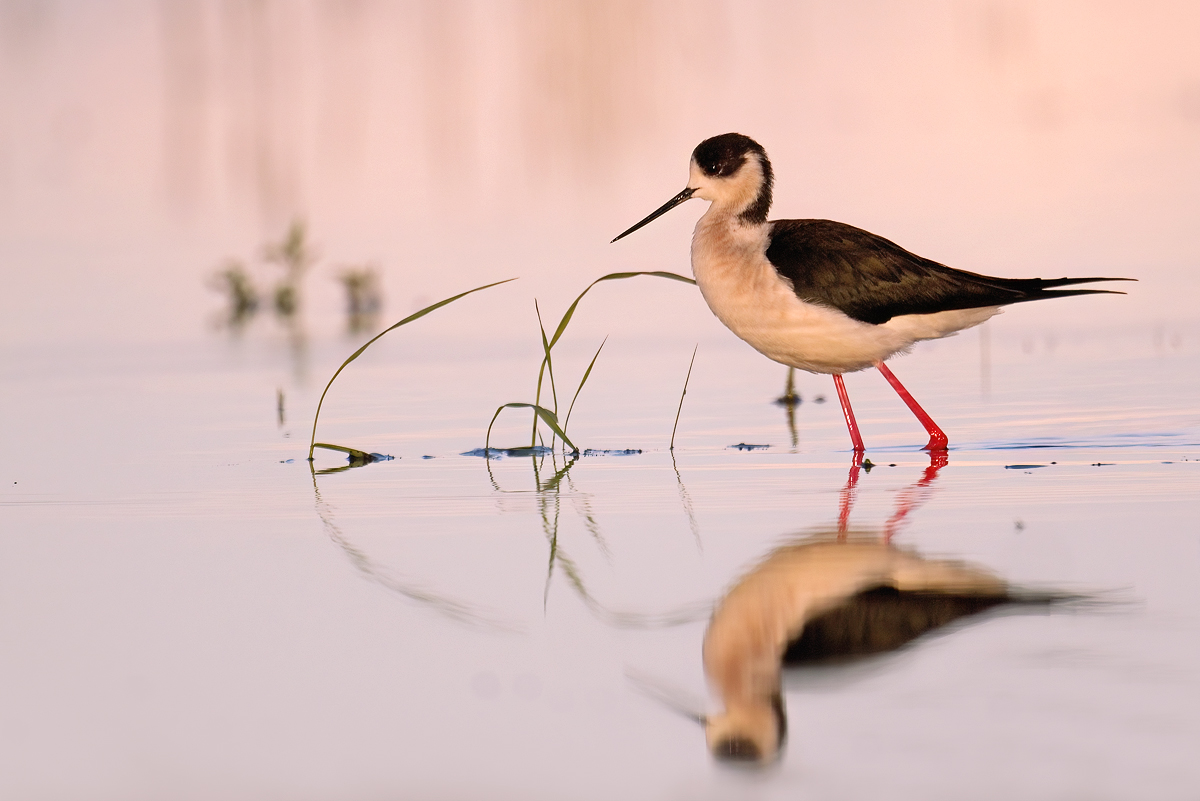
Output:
x=364 y=298
x=235 y=283
x=295 y=255
x=242 y=294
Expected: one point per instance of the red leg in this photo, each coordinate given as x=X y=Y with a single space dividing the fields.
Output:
x=855 y=437
x=846 y=500
x=914 y=496
x=937 y=438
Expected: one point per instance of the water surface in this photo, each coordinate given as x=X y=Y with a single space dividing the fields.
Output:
x=191 y=611
x=187 y=610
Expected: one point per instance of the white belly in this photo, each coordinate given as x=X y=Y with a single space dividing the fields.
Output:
x=746 y=293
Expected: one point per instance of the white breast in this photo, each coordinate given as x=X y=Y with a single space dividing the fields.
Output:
x=749 y=296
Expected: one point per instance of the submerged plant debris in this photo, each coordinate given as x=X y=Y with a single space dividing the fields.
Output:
x=497 y=453
x=355 y=457
x=544 y=450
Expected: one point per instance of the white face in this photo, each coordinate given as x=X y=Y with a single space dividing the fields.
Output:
x=736 y=192
x=732 y=194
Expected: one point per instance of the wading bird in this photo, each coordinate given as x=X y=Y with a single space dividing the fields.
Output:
x=824 y=296
x=829 y=598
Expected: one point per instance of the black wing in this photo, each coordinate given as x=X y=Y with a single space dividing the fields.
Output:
x=873 y=280
x=883 y=619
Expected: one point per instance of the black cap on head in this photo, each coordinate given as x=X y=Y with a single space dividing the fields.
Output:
x=737 y=749
x=722 y=156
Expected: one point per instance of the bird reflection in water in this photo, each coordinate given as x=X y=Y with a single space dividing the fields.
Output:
x=908 y=499
x=833 y=595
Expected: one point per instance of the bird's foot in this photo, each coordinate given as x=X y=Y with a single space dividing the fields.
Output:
x=938 y=442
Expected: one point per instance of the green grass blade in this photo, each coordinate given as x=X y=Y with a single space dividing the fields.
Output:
x=353 y=453
x=562 y=325
x=312 y=444
x=549 y=361
x=547 y=366
x=548 y=417
x=582 y=381
x=537 y=400
x=683 y=395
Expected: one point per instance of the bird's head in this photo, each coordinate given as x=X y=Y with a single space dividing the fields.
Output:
x=748 y=732
x=733 y=172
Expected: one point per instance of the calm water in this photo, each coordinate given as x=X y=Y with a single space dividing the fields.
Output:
x=190 y=612
x=187 y=610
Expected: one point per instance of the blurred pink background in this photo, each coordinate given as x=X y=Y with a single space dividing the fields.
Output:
x=452 y=143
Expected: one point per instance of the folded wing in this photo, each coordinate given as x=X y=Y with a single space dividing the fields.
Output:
x=872 y=279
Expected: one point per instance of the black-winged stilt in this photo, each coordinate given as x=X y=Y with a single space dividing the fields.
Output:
x=830 y=597
x=824 y=296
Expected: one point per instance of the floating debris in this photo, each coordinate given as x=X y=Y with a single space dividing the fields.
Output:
x=353 y=455
x=618 y=452
x=371 y=458
x=496 y=453
x=1023 y=466
x=742 y=446
x=354 y=458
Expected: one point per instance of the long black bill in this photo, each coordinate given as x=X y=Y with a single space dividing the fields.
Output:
x=670 y=204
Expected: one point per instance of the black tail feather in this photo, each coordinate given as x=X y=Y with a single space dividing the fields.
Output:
x=1062 y=293
x=1041 y=285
